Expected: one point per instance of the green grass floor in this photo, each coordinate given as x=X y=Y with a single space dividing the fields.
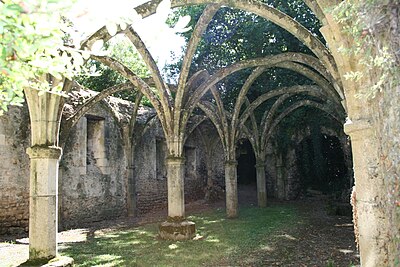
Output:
x=220 y=241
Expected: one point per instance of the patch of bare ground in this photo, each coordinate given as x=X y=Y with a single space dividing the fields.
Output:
x=317 y=239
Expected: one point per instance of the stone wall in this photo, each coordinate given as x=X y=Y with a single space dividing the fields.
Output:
x=282 y=173
x=387 y=125
x=14 y=171
x=92 y=171
x=150 y=173
x=150 y=169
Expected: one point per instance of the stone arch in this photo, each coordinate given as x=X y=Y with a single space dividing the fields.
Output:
x=257 y=8
x=369 y=195
x=305 y=135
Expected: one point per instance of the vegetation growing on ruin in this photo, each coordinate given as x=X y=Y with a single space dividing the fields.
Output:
x=376 y=45
x=220 y=241
x=33 y=43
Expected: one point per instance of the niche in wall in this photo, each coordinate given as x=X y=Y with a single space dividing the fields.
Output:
x=96 y=149
x=161 y=170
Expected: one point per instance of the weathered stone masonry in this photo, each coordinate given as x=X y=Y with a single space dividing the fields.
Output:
x=92 y=170
x=14 y=171
x=93 y=167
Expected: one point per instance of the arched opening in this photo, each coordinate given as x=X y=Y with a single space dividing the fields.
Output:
x=246 y=170
x=322 y=167
x=369 y=194
x=246 y=173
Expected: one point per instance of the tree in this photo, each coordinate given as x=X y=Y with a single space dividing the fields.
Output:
x=121 y=49
x=33 y=43
x=237 y=35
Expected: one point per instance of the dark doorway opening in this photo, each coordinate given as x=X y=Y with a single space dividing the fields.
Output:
x=321 y=165
x=246 y=170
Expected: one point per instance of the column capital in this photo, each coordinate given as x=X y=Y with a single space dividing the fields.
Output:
x=358 y=126
x=260 y=164
x=175 y=160
x=44 y=152
x=231 y=162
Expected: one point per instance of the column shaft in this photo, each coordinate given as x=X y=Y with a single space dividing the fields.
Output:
x=176 y=193
x=43 y=202
x=261 y=186
x=131 y=192
x=368 y=212
x=231 y=189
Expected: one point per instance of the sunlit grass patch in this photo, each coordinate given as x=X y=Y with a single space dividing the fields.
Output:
x=220 y=241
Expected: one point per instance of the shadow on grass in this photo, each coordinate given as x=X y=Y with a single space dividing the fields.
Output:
x=220 y=241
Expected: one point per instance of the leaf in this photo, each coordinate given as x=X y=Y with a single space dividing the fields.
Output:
x=85 y=55
x=97 y=46
x=183 y=30
x=163 y=10
x=78 y=59
x=3 y=53
x=182 y=23
x=135 y=16
x=55 y=73
x=14 y=7
x=112 y=28
x=123 y=25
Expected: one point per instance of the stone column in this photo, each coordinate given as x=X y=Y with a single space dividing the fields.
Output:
x=176 y=193
x=131 y=192
x=280 y=183
x=261 y=185
x=369 y=218
x=43 y=207
x=176 y=227
x=231 y=188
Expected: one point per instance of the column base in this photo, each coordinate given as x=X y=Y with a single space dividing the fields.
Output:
x=59 y=261
x=177 y=229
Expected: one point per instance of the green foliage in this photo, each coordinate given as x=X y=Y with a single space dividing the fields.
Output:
x=375 y=45
x=224 y=242
x=32 y=35
x=235 y=35
x=124 y=51
x=302 y=118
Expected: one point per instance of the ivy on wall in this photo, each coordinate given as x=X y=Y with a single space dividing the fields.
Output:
x=374 y=43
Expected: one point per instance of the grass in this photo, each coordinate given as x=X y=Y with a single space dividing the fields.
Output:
x=224 y=242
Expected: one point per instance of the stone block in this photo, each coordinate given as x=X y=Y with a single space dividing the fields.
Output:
x=179 y=230
x=82 y=170
x=2 y=140
x=101 y=162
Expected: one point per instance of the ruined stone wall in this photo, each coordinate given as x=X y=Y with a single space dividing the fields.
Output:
x=387 y=125
x=195 y=169
x=217 y=162
x=282 y=174
x=14 y=171
x=92 y=171
x=386 y=119
x=150 y=169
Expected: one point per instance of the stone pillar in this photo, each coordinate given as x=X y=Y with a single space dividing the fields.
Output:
x=176 y=227
x=231 y=188
x=261 y=185
x=280 y=183
x=176 y=193
x=43 y=207
x=131 y=192
x=368 y=215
